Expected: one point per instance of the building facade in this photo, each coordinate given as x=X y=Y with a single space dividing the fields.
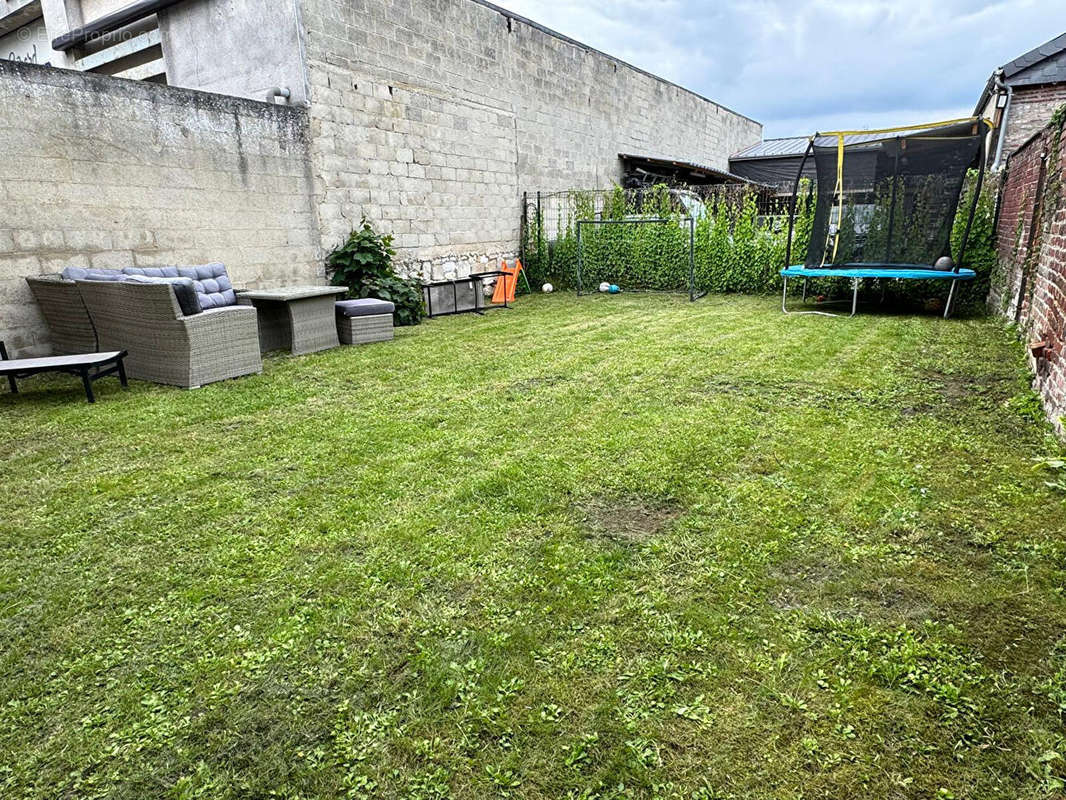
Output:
x=1030 y=287
x=1021 y=96
x=428 y=117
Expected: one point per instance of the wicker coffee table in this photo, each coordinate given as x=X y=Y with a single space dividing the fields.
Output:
x=295 y=318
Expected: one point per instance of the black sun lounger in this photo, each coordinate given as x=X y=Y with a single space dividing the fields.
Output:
x=90 y=367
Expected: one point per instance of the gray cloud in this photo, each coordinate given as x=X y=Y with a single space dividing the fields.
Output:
x=803 y=65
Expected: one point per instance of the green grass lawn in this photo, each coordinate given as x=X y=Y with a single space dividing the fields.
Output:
x=590 y=547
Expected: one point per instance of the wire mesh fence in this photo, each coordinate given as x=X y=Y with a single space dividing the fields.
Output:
x=741 y=238
x=556 y=211
x=735 y=226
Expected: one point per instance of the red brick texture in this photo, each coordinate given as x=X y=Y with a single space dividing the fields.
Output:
x=1030 y=110
x=1031 y=241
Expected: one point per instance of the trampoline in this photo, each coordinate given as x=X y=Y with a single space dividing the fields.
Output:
x=885 y=206
x=857 y=274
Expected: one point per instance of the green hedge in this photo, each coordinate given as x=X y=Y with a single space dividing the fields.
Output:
x=737 y=248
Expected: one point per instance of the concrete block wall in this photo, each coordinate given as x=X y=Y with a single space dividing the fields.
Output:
x=432 y=116
x=1031 y=240
x=104 y=172
x=428 y=116
x=436 y=173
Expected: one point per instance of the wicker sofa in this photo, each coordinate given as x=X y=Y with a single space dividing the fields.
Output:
x=165 y=345
x=64 y=312
x=181 y=325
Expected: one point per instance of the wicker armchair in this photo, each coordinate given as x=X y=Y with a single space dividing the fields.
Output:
x=64 y=311
x=166 y=347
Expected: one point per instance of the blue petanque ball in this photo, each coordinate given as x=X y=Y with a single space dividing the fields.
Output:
x=614 y=289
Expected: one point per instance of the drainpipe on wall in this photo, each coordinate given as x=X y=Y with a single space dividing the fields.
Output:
x=1000 y=87
x=278 y=91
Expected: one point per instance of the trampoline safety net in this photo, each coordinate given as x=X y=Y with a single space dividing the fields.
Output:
x=888 y=198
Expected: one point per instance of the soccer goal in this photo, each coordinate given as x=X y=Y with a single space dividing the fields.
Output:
x=633 y=254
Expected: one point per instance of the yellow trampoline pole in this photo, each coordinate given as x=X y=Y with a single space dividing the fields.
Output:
x=839 y=191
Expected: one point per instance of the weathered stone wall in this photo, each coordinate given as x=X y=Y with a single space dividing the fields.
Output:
x=105 y=172
x=432 y=116
x=1031 y=240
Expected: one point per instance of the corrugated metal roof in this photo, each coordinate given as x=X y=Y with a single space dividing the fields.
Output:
x=668 y=162
x=797 y=145
x=774 y=148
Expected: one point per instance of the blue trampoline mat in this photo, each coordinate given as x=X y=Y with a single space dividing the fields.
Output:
x=917 y=273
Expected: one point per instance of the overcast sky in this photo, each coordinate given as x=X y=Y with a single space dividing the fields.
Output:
x=799 y=66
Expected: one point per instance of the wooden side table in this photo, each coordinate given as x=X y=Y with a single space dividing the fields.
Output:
x=299 y=319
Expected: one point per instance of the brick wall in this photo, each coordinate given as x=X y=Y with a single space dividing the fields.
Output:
x=104 y=172
x=1030 y=110
x=431 y=117
x=1031 y=240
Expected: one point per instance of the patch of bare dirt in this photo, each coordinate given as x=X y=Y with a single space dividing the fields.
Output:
x=955 y=389
x=799 y=584
x=1011 y=632
x=531 y=385
x=961 y=390
x=948 y=392
x=628 y=521
x=828 y=587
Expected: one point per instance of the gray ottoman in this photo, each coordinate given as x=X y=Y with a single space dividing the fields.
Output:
x=363 y=321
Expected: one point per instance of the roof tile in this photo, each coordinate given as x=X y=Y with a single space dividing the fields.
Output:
x=1046 y=50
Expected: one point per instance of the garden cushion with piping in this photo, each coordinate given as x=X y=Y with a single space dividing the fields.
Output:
x=152 y=272
x=366 y=307
x=184 y=290
x=85 y=274
x=212 y=284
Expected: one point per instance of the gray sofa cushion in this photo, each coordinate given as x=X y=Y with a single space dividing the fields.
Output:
x=367 y=307
x=188 y=299
x=212 y=284
x=85 y=274
x=152 y=272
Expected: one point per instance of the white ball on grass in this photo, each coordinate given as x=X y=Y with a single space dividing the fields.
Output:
x=605 y=287
x=547 y=288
